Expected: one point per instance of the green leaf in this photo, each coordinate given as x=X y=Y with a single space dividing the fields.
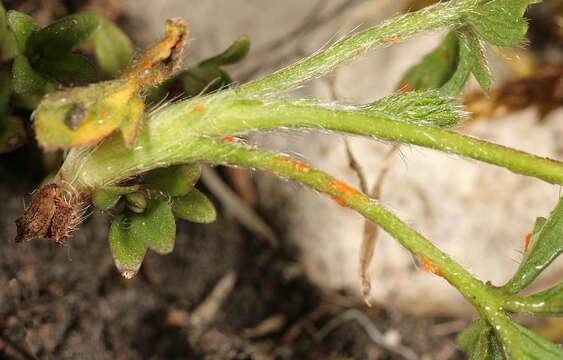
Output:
x=436 y=68
x=525 y=344
x=540 y=222
x=8 y=47
x=207 y=76
x=468 y=339
x=194 y=207
x=517 y=341
x=5 y=92
x=136 y=202
x=112 y=48
x=198 y=80
x=3 y=22
x=29 y=101
x=106 y=198
x=476 y=60
x=454 y=86
x=8 y=43
x=499 y=22
x=487 y=347
x=22 y=27
x=546 y=303
x=449 y=66
x=174 y=180
x=156 y=227
x=66 y=35
x=545 y=246
x=549 y=302
x=24 y=78
x=234 y=54
x=155 y=94
x=471 y=60
x=12 y=133
x=70 y=69
x=428 y=108
x=127 y=250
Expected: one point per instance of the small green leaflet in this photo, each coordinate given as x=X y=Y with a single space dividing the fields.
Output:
x=24 y=78
x=174 y=180
x=66 y=35
x=195 y=207
x=428 y=108
x=500 y=22
x=156 y=227
x=22 y=26
x=127 y=250
x=449 y=65
x=105 y=198
x=545 y=246
x=471 y=60
x=112 y=48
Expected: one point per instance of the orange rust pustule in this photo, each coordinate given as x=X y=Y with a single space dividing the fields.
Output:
x=48 y=216
x=339 y=201
x=147 y=65
x=342 y=187
x=527 y=243
x=393 y=40
x=404 y=88
x=357 y=54
x=299 y=166
x=428 y=267
x=198 y=107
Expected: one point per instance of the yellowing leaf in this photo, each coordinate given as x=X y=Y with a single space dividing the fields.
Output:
x=85 y=115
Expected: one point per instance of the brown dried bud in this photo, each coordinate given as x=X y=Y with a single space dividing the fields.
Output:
x=48 y=216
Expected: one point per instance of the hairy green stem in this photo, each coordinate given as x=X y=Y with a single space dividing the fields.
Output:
x=224 y=153
x=168 y=136
x=489 y=303
x=393 y=30
x=243 y=116
x=486 y=300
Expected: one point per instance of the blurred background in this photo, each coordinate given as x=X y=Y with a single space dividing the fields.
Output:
x=226 y=292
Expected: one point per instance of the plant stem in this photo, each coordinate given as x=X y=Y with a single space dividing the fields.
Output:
x=488 y=302
x=219 y=153
x=533 y=305
x=167 y=137
x=243 y=116
x=390 y=31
